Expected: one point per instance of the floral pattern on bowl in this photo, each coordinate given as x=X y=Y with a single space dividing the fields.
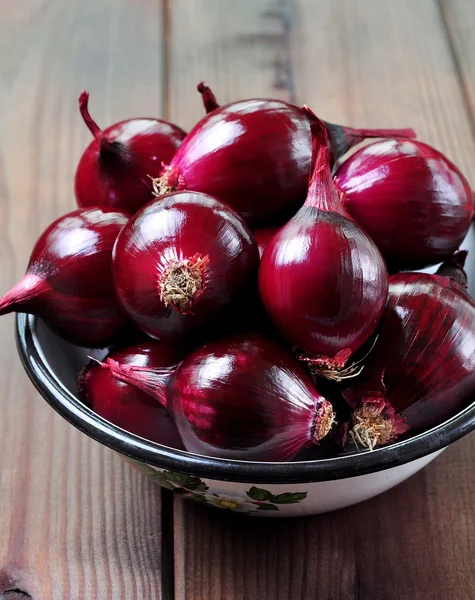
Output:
x=194 y=488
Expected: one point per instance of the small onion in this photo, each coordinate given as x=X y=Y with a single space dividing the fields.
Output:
x=125 y=405
x=115 y=168
x=69 y=278
x=422 y=368
x=179 y=260
x=413 y=202
x=321 y=279
x=243 y=397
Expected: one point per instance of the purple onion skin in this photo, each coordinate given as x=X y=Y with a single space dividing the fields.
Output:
x=125 y=405
x=321 y=279
x=425 y=351
x=245 y=398
x=177 y=227
x=68 y=282
x=413 y=202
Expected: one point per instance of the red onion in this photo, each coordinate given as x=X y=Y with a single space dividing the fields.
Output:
x=179 y=260
x=114 y=169
x=413 y=202
x=244 y=398
x=321 y=279
x=253 y=154
x=125 y=405
x=422 y=368
x=263 y=237
x=69 y=278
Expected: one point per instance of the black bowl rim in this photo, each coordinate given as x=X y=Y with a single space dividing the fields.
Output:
x=343 y=467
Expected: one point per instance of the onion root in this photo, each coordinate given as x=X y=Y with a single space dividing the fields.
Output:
x=325 y=418
x=375 y=423
x=182 y=282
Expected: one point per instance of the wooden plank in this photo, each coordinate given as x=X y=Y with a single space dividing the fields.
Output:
x=357 y=62
x=416 y=542
x=459 y=18
x=376 y=64
x=240 y=49
x=76 y=522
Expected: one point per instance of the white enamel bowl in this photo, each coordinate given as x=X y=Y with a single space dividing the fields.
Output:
x=256 y=488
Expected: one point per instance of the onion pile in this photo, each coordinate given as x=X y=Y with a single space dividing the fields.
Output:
x=241 y=288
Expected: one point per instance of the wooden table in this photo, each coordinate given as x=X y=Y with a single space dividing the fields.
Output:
x=75 y=521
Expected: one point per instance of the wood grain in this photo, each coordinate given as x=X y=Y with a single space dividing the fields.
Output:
x=377 y=64
x=240 y=50
x=357 y=62
x=416 y=542
x=76 y=522
x=459 y=18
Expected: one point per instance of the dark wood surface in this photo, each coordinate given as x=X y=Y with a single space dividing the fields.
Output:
x=75 y=521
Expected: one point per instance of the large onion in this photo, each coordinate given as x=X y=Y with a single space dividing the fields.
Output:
x=422 y=369
x=321 y=279
x=413 y=202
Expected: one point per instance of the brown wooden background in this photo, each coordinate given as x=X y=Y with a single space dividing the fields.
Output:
x=75 y=521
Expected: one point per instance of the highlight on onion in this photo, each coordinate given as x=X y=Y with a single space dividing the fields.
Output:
x=413 y=202
x=252 y=154
x=179 y=260
x=115 y=168
x=68 y=282
x=422 y=368
x=125 y=405
x=321 y=279
x=243 y=397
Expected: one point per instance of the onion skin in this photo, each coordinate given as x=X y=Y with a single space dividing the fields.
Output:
x=453 y=268
x=252 y=154
x=183 y=227
x=125 y=405
x=68 y=282
x=243 y=397
x=394 y=186
x=263 y=237
x=422 y=368
x=114 y=169
x=321 y=279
